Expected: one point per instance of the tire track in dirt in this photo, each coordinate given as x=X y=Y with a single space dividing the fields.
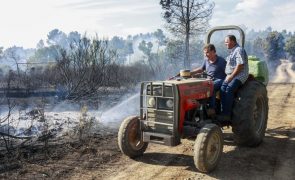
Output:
x=284 y=168
x=272 y=88
x=277 y=105
x=278 y=100
x=149 y=166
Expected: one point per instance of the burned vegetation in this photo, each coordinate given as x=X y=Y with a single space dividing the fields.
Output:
x=36 y=139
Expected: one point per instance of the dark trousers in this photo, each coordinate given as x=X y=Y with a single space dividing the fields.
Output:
x=217 y=86
x=227 y=95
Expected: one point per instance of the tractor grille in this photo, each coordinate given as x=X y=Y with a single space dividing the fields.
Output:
x=160 y=116
x=158 y=112
x=159 y=121
x=157 y=107
x=159 y=90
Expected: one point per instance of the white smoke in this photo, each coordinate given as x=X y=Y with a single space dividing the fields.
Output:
x=65 y=116
x=115 y=115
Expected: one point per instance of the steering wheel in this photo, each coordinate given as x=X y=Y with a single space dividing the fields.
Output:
x=203 y=75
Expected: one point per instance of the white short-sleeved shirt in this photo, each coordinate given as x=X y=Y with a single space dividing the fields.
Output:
x=237 y=56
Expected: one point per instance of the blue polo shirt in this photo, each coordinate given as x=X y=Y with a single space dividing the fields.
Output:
x=216 y=69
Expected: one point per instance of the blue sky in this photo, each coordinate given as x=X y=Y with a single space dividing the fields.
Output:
x=25 y=22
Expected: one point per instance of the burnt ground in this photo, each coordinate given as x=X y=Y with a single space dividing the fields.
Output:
x=98 y=156
x=62 y=158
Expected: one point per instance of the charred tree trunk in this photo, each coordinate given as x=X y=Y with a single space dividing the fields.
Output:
x=187 y=63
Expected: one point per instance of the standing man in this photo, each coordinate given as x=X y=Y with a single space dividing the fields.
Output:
x=237 y=72
x=214 y=66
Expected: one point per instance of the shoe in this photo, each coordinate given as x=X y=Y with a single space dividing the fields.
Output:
x=223 y=118
x=211 y=112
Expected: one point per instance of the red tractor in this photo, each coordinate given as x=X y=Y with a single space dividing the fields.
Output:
x=175 y=109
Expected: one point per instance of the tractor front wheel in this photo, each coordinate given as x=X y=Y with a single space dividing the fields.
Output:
x=208 y=148
x=130 y=139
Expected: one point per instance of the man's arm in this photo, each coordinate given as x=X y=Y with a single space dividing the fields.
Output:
x=197 y=70
x=240 y=60
x=236 y=71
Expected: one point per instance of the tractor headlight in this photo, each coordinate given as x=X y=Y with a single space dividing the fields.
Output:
x=169 y=103
x=164 y=103
x=151 y=102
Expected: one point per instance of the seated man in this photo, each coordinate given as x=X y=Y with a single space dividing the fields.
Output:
x=237 y=72
x=214 y=65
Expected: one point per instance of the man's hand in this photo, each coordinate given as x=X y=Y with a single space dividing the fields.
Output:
x=228 y=78
x=173 y=77
x=236 y=71
x=170 y=78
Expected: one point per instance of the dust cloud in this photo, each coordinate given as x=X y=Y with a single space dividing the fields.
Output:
x=284 y=73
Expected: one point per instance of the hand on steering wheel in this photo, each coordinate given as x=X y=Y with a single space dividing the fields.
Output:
x=203 y=75
x=174 y=77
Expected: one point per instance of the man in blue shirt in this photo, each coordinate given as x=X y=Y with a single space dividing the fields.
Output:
x=214 y=66
x=237 y=72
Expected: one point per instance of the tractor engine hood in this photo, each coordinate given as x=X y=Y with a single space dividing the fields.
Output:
x=193 y=88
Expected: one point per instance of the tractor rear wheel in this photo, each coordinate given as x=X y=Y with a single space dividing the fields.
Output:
x=250 y=114
x=130 y=139
x=208 y=148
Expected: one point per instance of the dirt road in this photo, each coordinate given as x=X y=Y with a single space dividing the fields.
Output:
x=284 y=72
x=273 y=159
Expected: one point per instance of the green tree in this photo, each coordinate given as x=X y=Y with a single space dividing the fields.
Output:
x=290 y=47
x=274 y=48
x=73 y=38
x=17 y=55
x=124 y=48
x=1 y=51
x=128 y=49
x=258 y=47
x=40 y=44
x=174 y=53
x=160 y=36
x=196 y=50
x=57 y=37
x=45 y=55
x=185 y=18
x=146 y=48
